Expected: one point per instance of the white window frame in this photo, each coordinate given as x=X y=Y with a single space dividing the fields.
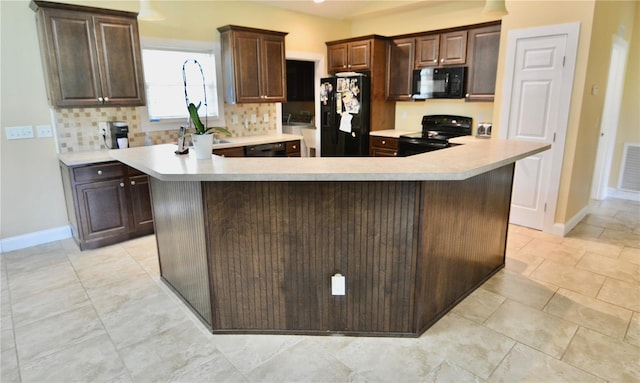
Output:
x=146 y=125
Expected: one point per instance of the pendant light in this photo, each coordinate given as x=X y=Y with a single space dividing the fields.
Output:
x=148 y=13
x=495 y=8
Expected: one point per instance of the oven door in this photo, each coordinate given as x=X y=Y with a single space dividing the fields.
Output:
x=408 y=146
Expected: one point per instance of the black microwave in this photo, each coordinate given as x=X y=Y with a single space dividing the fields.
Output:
x=439 y=83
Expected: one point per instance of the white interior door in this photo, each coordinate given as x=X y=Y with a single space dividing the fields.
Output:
x=610 y=118
x=535 y=107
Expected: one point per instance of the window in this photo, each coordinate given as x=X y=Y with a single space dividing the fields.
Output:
x=165 y=88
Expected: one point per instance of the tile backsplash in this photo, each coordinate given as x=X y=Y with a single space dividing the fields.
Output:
x=77 y=128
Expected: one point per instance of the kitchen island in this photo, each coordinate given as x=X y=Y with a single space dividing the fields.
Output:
x=251 y=245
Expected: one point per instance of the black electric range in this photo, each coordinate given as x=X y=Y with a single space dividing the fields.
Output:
x=435 y=134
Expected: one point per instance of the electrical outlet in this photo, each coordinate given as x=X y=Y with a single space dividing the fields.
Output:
x=234 y=119
x=19 y=132
x=102 y=128
x=254 y=119
x=44 y=131
x=265 y=117
x=338 y=282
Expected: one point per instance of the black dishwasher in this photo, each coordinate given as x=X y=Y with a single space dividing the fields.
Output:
x=266 y=150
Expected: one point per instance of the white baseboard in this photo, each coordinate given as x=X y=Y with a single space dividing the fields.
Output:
x=623 y=194
x=34 y=239
x=563 y=229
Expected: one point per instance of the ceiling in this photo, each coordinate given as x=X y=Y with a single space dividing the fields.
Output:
x=347 y=9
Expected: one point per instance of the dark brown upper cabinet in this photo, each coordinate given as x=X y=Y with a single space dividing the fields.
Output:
x=91 y=56
x=349 y=56
x=253 y=64
x=484 y=46
x=400 y=61
x=441 y=49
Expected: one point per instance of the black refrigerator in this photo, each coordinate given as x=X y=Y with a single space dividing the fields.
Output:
x=344 y=116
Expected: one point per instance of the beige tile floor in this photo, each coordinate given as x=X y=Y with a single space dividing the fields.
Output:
x=563 y=309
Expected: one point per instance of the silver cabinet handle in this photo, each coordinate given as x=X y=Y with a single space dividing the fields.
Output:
x=121 y=184
x=295 y=147
x=100 y=99
x=133 y=183
x=384 y=142
x=106 y=99
x=467 y=95
x=441 y=60
x=99 y=172
x=435 y=60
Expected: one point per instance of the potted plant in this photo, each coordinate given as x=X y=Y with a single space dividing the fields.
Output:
x=203 y=137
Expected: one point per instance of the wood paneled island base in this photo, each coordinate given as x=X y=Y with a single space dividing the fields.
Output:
x=258 y=256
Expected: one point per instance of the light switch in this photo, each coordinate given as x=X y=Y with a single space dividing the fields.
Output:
x=338 y=282
x=19 y=132
x=265 y=117
x=254 y=118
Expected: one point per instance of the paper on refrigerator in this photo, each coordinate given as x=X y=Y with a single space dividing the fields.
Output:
x=345 y=122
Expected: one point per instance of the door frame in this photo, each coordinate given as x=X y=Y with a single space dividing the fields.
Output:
x=572 y=31
x=319 y=73
x=610 y=112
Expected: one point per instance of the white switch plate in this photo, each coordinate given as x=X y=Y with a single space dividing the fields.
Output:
x=253 y=118
x=338 y=284
x=44 y=131
x=265 y=117
x=19 y=132
x=234 y=119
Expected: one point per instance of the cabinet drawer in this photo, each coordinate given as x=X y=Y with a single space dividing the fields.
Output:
x=384 y=142
x=98 y=172
x=293 y=146
x=230 y=152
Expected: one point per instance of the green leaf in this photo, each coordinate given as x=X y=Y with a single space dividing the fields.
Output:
x=193 y=112
x=222 y=130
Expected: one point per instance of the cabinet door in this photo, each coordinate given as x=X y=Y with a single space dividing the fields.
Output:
x=273 y=79
x=71 y=64
x=427 y=51
x=484 y=44
x=400 y=59
x=453 y=48
x=246 y=69
x=141 y=211
x=359 y=56
x=338 y=57
x=118 y=49
x=103 y=209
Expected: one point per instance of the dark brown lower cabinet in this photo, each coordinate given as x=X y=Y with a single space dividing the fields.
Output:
x=106 y=203
x=383 y=146
x=258 y=257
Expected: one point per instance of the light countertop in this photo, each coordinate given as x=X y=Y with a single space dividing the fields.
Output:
x=473 y=157
x=393 y=133
x=97 y=156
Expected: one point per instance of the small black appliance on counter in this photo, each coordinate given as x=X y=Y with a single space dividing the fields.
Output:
x=118 y=129
x=435 y=134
